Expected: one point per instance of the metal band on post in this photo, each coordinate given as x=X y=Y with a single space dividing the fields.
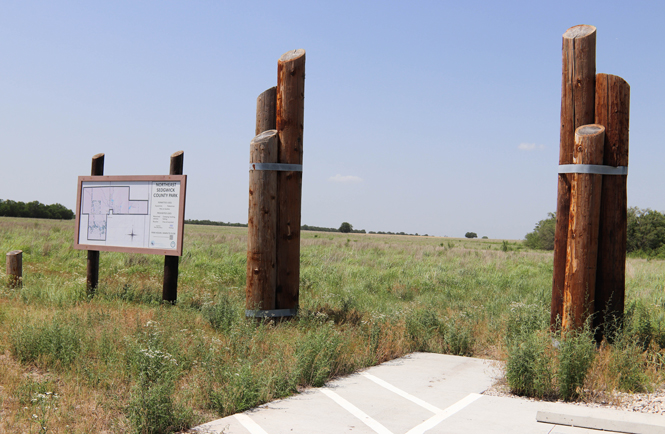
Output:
x=593 y=169
x=279 y=167
x=275 y=313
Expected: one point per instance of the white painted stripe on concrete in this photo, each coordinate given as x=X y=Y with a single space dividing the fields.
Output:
x=249 y=424
x=346 y=405
x=402 y=393
x=439 y=417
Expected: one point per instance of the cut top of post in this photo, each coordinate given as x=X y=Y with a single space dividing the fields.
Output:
x=590 y=130
x=579 y=31
x=97 y=165
x=14 y=252
x=589 y=141
x=292 y=55
x=264 y=136
x=177 y=161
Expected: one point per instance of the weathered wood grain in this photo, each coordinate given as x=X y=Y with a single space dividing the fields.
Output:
x=577 y=109
x=266 y=104
x=613 y=112
x=582 y=247
x=262 y=224
x=290 y=112
x=15 y=269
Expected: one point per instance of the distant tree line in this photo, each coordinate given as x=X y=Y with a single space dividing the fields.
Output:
x=244 y=225
x=34 y=209
x=345 y=227
x=542 y=237
x=645 y=233
x=212 y=223
x=397 y=233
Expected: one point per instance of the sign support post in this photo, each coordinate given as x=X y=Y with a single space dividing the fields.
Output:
x=170 y=288
x=92 y=275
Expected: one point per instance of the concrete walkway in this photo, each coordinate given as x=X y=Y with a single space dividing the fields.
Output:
x=420 y=393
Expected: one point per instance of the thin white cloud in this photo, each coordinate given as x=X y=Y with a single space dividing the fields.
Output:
x=529 y=147
x=347 y=179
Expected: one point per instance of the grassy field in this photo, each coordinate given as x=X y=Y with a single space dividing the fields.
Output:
x=123 y=362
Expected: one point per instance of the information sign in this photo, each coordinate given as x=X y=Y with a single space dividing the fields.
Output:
x=139 y=214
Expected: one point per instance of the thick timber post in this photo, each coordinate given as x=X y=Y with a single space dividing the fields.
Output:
x=577 y=109
x=582 y=248
x=15 y=269
x=613 y=112
x=170 y=287
x=262 y=226
x=92 y=274
x=266 y=104
x=290 y=111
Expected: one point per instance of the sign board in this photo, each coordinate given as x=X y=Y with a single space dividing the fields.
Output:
x=135 y=214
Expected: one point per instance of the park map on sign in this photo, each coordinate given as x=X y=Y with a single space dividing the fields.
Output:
x=131 y=214
x=100 y=202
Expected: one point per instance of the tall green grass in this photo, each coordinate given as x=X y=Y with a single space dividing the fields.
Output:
x=123 y=361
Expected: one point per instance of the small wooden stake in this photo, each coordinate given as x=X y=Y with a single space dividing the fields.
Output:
x=613 y=112
x=577 y=109
x=266 y=104
x=92 y=274
x=15 y=269
x=262 y=224
x=170 y=287
x=581 y=261
x=290 y=119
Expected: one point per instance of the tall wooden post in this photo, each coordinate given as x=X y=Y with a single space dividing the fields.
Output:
x=92 y=275
x=262 y=224
x=290 y=121
x=266 y=104
x=170 y=288
x=15 y=269
x=577 y=109
x=613 y=112
x=582 y=248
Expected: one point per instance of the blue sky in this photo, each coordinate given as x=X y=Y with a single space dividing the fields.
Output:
x=429 y=117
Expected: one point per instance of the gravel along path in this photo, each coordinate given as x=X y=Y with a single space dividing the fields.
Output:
x=637 y=402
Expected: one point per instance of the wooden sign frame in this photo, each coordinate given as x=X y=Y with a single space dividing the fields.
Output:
x=177 y=251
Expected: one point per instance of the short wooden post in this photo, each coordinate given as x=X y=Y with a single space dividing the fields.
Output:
x=577 y=109
x=290 y=112
x=613 y=112
x=15 y=269
x=266 y=104
x=170 y=287
x=581 y=261
x=92 y=274
x=262 y=224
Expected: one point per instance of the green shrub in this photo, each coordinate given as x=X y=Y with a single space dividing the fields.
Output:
x=458 y=338
x=151 y=408
x=645 y=231
x=240 y=390
x=423 y=328
x=542 y=237
x=576 y=354
x=55 y=342
x=529 y=368
x=524 y=320
x=222 y=314
x=638 y=325
x=628 y=364
x=318 y=356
